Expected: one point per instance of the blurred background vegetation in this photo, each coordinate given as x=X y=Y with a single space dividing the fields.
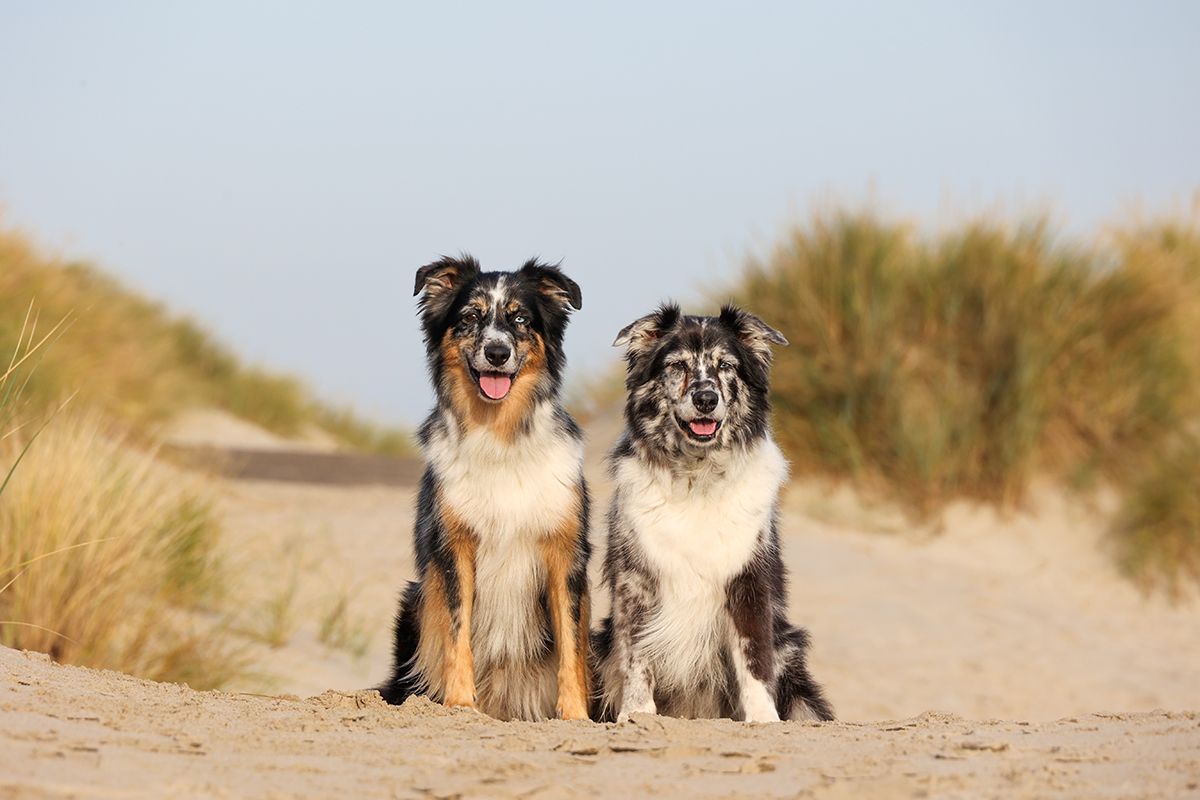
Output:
x=968 y=362
x=108 y=553
x=130 y=357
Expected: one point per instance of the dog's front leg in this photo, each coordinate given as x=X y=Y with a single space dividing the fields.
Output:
x=630 y=612
x=459 y=662
x=752 y=650
x=565 y=557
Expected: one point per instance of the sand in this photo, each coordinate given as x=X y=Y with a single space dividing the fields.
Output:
x=1001 y=656
x=76 y=732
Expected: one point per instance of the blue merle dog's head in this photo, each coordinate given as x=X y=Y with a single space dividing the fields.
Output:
x=695 y=383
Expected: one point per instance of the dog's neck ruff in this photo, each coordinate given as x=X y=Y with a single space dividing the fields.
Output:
x=524 y=486
x=700 y=468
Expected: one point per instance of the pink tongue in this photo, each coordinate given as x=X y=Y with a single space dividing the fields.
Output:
x=703 y=427
x=495 y=386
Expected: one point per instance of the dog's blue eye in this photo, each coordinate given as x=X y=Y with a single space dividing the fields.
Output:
x=521 y=319
x=726 y=366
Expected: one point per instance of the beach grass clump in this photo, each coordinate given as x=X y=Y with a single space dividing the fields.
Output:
x=966 y=363
x=1157 y=531
x=107 y=557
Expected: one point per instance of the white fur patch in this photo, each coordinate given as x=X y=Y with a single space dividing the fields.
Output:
x=756 y=700
x=508 y=580
x=698 y=530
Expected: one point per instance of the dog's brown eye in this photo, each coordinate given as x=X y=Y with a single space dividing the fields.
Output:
x=471 y=315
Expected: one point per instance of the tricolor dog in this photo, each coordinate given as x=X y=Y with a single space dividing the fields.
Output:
x=699 y=597
x=498 y=617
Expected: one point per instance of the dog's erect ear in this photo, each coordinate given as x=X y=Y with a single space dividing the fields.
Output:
x=441 y=279
x=751 y=330
x=553 y=284
x=643 y=334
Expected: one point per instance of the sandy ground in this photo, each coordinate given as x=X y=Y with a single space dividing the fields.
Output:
x=75 y=732
x=999 y=657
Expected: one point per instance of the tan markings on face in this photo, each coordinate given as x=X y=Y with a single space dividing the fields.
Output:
x=505 y=417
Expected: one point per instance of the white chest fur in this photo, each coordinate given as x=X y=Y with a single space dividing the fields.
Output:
x=696 y=535
x=507 y=490
x=702 y=530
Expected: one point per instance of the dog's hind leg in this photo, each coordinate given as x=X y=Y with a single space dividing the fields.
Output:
x=407 y=634
x=797 y=695
x=753 y=646
x=565 y=557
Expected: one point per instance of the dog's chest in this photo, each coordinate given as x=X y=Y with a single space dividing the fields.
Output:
x=506 y=490
x=701 y=533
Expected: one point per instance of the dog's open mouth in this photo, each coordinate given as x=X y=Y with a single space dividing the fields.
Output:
x=494 y=385
x=702 y=429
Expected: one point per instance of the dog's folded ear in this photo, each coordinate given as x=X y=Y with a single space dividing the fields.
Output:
x=751 y=330
x=442 y=279
x=643 y=334
x=553 y=284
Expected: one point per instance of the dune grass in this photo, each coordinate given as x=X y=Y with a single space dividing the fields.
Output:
x=929 y=367
x=139 y=363
x=1158 y=528
x=340 y=629
x=107 y=558
x=967 y=363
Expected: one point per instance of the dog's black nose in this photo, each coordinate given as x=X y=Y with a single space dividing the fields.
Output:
x=705 y=400
x=496 y=354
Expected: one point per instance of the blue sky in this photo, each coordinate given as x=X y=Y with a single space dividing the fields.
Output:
x=280 y=170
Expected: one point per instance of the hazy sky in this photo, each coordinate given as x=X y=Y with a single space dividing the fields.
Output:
x=280 y=170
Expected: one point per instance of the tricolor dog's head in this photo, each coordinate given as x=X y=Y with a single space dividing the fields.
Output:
x=697 y=383
x=494 y=338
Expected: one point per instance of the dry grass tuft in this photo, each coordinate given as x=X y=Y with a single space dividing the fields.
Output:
x=1158 y=529
x=965 y=364
x=108 y=559
x=340 y=629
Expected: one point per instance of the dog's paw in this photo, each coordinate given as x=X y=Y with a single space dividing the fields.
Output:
x=460 y=702
x=636 y=708
x=759 y=707
x=572 y=709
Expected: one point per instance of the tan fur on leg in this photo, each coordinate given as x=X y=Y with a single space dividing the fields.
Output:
x=460 y=661
x=570 y=640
